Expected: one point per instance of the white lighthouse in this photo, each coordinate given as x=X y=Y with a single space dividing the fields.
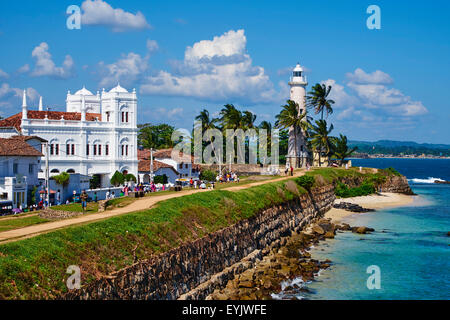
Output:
x=297 y=151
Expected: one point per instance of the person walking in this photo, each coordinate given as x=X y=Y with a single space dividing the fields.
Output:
x=58 y=197
x=95 y=197
x=83 y=198
x=292 y=170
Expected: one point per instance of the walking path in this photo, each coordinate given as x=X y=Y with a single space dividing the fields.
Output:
x=138 y=205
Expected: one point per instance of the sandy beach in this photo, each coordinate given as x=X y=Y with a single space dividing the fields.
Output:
x=383 y=200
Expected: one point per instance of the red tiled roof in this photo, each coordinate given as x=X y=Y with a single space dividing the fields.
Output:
x=16 y=120
x=144 y=166
x=17 y=146
x=143 y=154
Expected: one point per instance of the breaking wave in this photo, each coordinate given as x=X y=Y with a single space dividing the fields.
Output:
x=429 y=180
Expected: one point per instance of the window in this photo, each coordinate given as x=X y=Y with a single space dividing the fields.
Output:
x=186 y=166
x=181 y=166
x=95 y=149
x=15 y=168
x=70 y=149
x=126 y=148
x=126 y=116
x=57 y=149
x=99 y=149
x=297 y=73
x=107 y=150
x=107 y=116
x=123 y=116
x=87 y=149
x=52 y=149
x=30 y=168
x=123 y=149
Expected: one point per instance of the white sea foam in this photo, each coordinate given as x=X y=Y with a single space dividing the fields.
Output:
x=429 y=180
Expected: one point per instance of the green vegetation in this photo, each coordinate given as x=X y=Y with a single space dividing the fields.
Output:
x=117 y=179
x=160 y=179
x=393 y=171
x=343 y=191
x=208 y=175
x=155 y=136
x=76 y=207
x=400 y=148
x=37 y=265
x=62 y=178
x=119 y=202
x=20 y=222
x=129 y=177
x=306 y=182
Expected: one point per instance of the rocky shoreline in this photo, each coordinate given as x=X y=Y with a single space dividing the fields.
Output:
x=284 y=269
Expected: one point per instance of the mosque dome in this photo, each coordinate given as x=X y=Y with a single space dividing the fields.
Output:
x=84 y=92
x=119 y=89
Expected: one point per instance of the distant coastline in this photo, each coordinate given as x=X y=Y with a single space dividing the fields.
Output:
x=382 y=156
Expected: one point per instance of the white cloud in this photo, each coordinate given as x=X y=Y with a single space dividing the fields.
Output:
x=366 y=100
x=99 y=12
x=126 y=70
x=3 y=74
x=11 y=97
x=164 y=113
x=376 y=77
x=152 y=45
x=218 y=70
x=24 y=69
x=44 y=65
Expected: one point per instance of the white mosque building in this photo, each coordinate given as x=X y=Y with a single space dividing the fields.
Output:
x=96 y=135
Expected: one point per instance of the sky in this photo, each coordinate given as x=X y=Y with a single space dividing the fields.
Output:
x=184 y=56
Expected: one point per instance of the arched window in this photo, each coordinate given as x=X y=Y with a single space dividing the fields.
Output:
x=71 y=171
x=54 y=171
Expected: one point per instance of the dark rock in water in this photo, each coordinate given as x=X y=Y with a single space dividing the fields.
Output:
x=448 y=234
x=441 y=182
x=362 y=230
x=351 y=207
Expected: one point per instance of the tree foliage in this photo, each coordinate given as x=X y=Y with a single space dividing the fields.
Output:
x=62 y=179
x=117 y=179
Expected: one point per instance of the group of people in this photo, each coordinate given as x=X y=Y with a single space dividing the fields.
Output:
x=227 y=177
x=199 y=184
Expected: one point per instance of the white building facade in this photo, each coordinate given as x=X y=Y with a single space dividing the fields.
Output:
x=19 y=165
x=96 y=135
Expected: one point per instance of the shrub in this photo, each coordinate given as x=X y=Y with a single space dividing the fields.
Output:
x=306 y=182
x=62 y=178
x=160 y=179
x=392 y=171
x=117 y=179
x=130 y=177
x=343 y=191
x=208 y=175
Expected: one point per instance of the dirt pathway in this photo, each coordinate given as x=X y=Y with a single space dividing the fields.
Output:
x=138 y=205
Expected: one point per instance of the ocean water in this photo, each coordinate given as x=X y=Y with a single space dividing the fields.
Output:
x=410 y=245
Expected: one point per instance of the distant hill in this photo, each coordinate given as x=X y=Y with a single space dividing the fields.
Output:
x=400 y=147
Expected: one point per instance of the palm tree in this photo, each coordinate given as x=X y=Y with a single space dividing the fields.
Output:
x=207 y=122
x=321 y=139
x=341 y=149
x=248 y=120
x=289 y=117
x=231 y=118
x=317 y=98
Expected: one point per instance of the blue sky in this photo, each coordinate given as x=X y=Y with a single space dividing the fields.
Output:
x=183 y=56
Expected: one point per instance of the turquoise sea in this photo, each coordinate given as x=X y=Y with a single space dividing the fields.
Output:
x=410 y=245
